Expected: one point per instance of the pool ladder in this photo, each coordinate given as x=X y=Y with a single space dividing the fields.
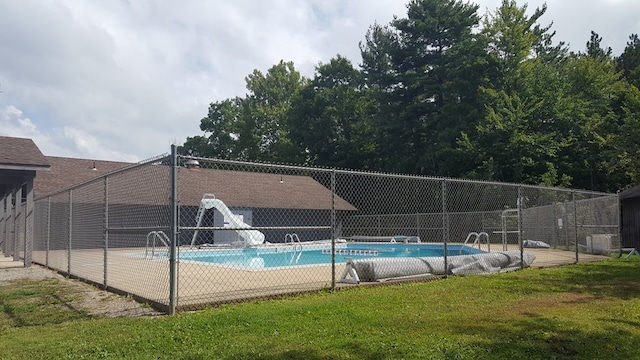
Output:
x=156 y=236
x=296 y=245
x=295 y=241
x=477 y=240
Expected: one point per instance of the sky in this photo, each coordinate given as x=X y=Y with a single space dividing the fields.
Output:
x=122 y=80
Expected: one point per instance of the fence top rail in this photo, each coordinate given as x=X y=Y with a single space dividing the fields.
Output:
x=387 y=175
x=293 y=227
x=476 y=212
x=139 y=229
x=322 y=170
x=256 y=164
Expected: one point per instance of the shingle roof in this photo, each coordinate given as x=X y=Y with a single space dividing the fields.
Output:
x=257 y=190
x=235 y=188
x=19 y=160
x=16 y=153
x=633 y=192
x=66 y=172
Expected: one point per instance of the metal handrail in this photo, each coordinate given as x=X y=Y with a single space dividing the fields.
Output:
x=476 y=241
x=160 y=235
x=294 y=238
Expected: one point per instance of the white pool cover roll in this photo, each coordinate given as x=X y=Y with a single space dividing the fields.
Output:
x=377 y=269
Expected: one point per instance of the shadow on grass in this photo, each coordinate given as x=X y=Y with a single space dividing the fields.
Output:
x=610 y=278
x=548 y=338
x=536 y=333
x=37 y=302
x=308 y=354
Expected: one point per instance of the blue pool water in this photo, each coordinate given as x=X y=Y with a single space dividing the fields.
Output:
x=285 y=256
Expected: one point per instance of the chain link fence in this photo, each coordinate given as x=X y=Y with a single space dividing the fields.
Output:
x=98 y=231
x=184 y=232
x=13 y=226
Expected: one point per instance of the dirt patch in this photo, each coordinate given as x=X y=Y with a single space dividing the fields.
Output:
x=87 y=297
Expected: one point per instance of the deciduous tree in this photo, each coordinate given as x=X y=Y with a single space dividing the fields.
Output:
x=329 y=118
x=252 y=128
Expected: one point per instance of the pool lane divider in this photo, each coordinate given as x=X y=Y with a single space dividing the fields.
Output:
x=361 y=252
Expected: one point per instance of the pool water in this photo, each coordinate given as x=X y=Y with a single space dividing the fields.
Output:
x=299 y=255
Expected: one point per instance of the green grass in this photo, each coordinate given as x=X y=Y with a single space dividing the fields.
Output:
x=31 y=303
x=585 y=311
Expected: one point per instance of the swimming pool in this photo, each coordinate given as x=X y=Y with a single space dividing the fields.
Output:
x=270 y=257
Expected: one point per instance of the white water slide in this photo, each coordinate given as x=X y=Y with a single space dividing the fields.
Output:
x=209 y=201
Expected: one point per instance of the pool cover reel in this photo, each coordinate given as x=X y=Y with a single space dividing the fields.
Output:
x=380 y=269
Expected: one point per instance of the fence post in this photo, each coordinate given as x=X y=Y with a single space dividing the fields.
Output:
x=6 y=206
x=28 y=224
x=445 y=226
x=333 y=229
x=106 y=231
x=173 y=279
x=618 y=213
x=520 y=207
x=17 y=212
x=3 y=224
x=46 y=261
x=70 y=232
x=575 y=223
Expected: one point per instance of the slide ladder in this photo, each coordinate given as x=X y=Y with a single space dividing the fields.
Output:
x=477 y=240
x=200 y=216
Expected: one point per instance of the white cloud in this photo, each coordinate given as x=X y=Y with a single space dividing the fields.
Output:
x=65 y=142
x=91 y=145
x=573 y=20
x=120 y=80
x=13 y=123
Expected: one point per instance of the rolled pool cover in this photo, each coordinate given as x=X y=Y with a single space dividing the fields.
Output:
x=378 y=269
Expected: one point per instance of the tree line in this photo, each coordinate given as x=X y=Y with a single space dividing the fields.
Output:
x=446 y=92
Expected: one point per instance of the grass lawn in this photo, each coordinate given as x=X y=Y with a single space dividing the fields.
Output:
x=584 y=311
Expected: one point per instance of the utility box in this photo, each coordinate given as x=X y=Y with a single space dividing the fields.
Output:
x=602 y=243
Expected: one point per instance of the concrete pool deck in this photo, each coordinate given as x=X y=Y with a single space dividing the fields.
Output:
x=6 y=262
x=198 y=284
x=202 y=284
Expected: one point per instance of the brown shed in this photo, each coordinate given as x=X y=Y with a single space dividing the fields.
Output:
x=630 y=217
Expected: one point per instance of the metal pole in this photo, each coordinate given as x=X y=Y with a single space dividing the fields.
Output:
x=333 y=229
x=445 y=225
x=70 y=232
x=173 y=279
x=106 y=231
x=575 y=223
x=556 y=229
x=17 y=213
x=48 y=230
x=8 y=213
x=520 y=207
x=3 y=224
x=28 y=224
x=618 y=212
x=8 y=226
